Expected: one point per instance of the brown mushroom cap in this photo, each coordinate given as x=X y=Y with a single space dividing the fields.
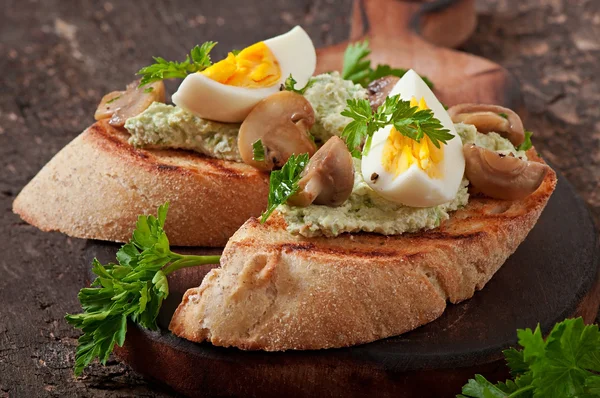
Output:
x=488 y=118
x=121 y=105
x=328 y=178
x=379 y=89
x=282 y=122
x=502 y=177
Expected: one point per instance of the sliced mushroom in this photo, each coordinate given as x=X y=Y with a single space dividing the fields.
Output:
x=500 y=176
x=379 y=89
x=281 y=122
x=121 y=105
x=328 y=178
x=488 y=118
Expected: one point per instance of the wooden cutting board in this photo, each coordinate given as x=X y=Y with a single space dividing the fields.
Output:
x=551 y=276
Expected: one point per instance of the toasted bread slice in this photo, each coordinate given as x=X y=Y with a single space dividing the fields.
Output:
x=98 y=184
x=275 y=291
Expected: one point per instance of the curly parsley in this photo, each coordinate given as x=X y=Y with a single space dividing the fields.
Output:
x=196 y=61
x=284 y=183
x=408 y=121
x=133 y=288
x=258 y=151
x=526 y=145
x=565 y=364
x=290 y=85
x=358 y=68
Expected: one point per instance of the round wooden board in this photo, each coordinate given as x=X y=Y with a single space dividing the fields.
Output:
x=552 y=275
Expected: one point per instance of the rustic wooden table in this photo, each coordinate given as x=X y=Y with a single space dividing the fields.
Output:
x=58 y=57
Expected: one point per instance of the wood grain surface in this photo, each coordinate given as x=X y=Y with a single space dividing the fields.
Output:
x=57 y=58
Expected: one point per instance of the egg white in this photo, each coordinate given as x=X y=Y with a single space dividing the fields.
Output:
x=212 y=100
x=414 y=187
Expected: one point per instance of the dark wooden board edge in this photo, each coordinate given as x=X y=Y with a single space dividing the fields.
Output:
x=153 y=354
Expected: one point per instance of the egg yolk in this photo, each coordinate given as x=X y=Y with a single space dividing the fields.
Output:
x=253 y=67
x=401 y=152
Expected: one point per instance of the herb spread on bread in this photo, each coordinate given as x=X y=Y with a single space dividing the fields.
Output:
x=328 y=95
x=367 y=211
x=168 y=126
x=492 y=141
x=417 y=161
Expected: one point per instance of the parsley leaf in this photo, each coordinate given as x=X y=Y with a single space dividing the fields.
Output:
x=357 y=67
x=568 y=360
x=258 y=151
x=290 y=85
x=408 y=121
x=504 y=115
x=133 y=288
x=515 y=361
x=566 y=364
x=196 y=61
x=385 y=70
x=284 y=183
x=526 y=145
x=364 y=124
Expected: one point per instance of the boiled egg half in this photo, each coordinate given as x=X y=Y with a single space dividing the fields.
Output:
x=416 y=174
x=229 y=89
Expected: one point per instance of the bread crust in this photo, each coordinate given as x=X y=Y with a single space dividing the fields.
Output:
x=275 y=291
x=98 y=184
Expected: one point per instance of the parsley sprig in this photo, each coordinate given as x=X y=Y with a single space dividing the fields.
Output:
x=408 y=121
x=526 y=145
x=196 y=61
x=284 y=183
x=258 y=151
x=290 y=85
x=566 y=364
x=357 y=67
x=133 y=288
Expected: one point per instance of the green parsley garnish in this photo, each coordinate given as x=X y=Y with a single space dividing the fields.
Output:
x=408 y=121
x=196 y=61
x=113 y=100
x=258 y=151
x=358 y=68
x=284 y=183
x=526 y=145
x=133 y=288
x=565 y=364
x=148 y=90
x=290 y=85
x=504 y=115
x=235 y=51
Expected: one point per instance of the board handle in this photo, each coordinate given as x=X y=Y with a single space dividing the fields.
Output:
x=443 y=23
x=421 y=35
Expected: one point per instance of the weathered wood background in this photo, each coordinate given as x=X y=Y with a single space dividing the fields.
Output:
x=58 y=57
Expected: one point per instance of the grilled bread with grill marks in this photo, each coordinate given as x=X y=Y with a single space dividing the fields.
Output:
x=275 y=291
x=98 y=184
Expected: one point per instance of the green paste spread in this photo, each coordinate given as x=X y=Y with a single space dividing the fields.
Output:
x=366 y=211
x=169 y=126
x=328 y=95
x=492 y=141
